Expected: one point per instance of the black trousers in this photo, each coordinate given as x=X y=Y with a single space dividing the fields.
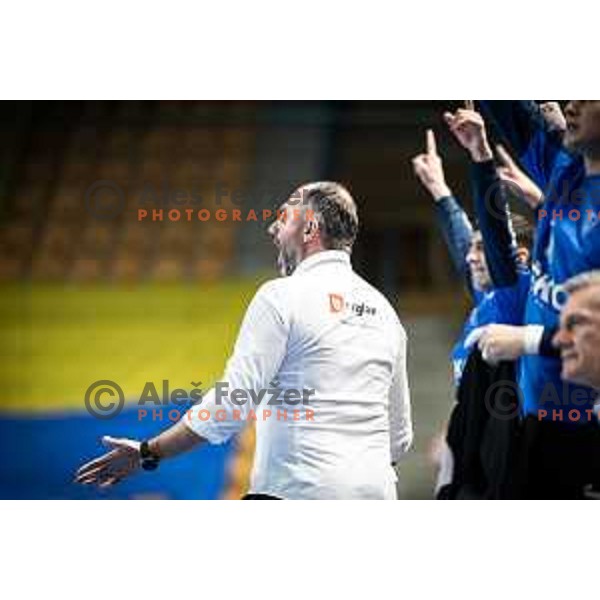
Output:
x=556 y=460
x=259 y=497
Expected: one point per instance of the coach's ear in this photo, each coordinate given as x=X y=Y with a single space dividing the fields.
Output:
x=311 y=229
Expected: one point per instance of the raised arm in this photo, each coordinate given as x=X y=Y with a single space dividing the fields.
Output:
x=452 y=219
x=514 y=177
x=499 y=244
x=523 y=125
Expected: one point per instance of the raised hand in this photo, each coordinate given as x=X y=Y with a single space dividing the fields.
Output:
x=520 y=183
x=468 y=128
x=429 y=169
x=554 y=116
x=112 y=467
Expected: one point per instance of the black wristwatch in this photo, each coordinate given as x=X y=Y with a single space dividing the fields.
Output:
x=148 y=460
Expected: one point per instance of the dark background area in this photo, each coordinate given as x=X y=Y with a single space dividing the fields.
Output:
x=52 y=152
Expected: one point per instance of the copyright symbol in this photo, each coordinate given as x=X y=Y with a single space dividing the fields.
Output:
x=96 y=199
x=107 y=408
x=509 y=189
x=503 y=400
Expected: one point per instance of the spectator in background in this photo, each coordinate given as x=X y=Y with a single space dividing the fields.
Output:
x=561 y=452
x=466 y=247
x=498 y=281
x=578 y=337
x=506 y=342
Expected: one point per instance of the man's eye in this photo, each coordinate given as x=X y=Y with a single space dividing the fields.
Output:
x=574 y=322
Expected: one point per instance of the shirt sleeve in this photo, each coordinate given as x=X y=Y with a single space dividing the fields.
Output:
x=457 y=232
x=522 y=124
x=257 y=356
x=499 y=243
x=546 y=346
x=401 y=429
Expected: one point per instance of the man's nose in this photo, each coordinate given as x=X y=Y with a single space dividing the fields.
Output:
x=560 y=339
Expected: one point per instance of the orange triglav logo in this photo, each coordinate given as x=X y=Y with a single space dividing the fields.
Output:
x=336 y=303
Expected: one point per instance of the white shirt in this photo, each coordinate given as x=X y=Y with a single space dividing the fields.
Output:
x=326 y=329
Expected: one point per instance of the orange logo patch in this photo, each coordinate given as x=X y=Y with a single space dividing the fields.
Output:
x=336 y=303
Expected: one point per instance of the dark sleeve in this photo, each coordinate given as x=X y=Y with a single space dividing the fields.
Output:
x=546 y=346
x=591 y=235
x=457 y=231
x=522 y=125
x=494 y=223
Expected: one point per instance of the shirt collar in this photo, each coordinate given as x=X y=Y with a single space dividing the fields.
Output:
x=325 y=256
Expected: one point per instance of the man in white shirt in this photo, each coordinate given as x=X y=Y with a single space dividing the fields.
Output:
x=334 y=348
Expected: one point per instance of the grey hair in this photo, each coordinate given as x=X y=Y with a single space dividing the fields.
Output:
x=582 y=281
x=335 y=211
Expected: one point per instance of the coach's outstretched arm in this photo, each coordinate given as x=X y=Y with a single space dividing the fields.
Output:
x=125 y=455
x=259 y=350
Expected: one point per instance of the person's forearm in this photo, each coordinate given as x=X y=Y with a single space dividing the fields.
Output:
x=439 y=191
x=532 y=196
x=456 y=230
x=517 y=120
x=492 y=213
x=522 y=124
x=174 y=441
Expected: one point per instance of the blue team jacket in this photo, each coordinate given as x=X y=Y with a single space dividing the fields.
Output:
x=564 y=247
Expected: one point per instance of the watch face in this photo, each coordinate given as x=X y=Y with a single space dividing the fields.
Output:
x=149 y=464
x=146 y=453
x=144 y=449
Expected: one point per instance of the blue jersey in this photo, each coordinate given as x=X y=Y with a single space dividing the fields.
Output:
x=505 y=301
x=567 y=243
x=499 y=305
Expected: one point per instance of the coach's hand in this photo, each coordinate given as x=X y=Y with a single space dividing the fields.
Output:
x=429 y=169
x=121 y=461
x=468 y=128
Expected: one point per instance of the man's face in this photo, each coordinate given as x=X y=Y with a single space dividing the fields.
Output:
x=583 y=126
x=480 y=275
x=579 y=337
x=287 y=232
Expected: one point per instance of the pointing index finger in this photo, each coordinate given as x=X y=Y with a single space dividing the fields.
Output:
x=430 y=142
x=470 y=104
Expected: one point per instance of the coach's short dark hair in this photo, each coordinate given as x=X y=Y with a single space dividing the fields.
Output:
x=335 y=211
